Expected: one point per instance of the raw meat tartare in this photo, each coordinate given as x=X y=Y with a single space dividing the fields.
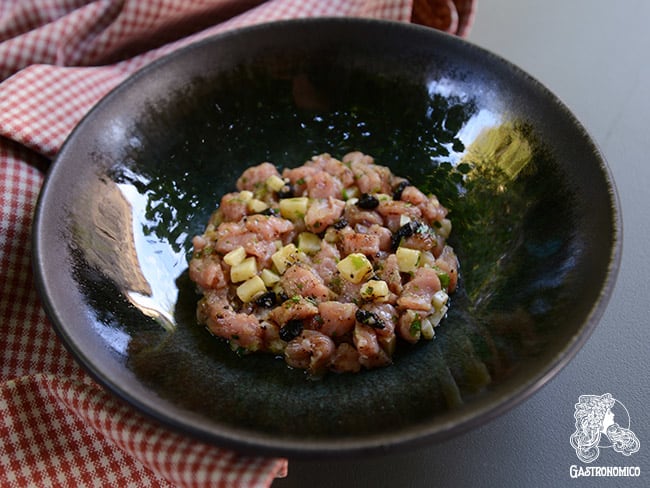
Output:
x=330 y=264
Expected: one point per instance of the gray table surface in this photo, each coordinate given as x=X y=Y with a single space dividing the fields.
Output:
x=595 y=56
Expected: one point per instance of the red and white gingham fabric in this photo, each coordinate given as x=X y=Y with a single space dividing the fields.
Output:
x=57 y=59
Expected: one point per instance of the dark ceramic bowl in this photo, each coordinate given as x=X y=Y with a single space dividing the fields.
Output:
x=536 y=226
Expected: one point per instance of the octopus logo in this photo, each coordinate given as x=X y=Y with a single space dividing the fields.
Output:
x=594 y=416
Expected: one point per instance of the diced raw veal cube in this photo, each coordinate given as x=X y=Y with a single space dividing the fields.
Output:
x=244 y=270
x=407 y=259
x=250 y=289
x=355 y=267
x=235 y=256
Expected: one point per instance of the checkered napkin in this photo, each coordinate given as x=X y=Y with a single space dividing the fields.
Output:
x=57 y=59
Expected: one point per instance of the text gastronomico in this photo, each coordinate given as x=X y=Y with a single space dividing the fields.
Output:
x=604 y=471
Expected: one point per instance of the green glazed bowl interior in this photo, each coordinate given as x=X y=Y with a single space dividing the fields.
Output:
x=535 y=215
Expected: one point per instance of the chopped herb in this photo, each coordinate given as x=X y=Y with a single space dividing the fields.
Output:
x=416 y=326
x=444 y=279
x=300 y=181
x=358 y=262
